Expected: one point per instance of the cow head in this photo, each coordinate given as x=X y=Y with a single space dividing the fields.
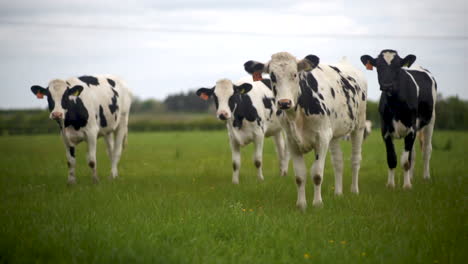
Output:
x=223 y=94
x=284 y=70
x=388 y=65
x=58 y=97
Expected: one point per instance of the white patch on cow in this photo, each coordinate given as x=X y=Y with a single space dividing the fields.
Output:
x=400 y=129
x=223 y=91
x=391 y=178
x=388 y=56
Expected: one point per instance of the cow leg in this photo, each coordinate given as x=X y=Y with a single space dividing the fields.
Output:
x=321 y=150
x=120 y=138
x=282 y=152
x=92 y=143
x=357 y=136
x=71 y=163
x=236 y=161
x=413 y=161
x=406 y=159
x=337 y=162
x=258 y=143
x=109 y=138
x=427 y=147
x=391 y=160
x=300 y=171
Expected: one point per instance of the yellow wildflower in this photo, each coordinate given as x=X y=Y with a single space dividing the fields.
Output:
x=306 y=256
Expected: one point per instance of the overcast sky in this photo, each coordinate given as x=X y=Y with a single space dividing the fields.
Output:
x=164 y=47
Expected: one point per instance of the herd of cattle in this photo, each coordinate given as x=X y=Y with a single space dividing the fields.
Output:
x=305 y=106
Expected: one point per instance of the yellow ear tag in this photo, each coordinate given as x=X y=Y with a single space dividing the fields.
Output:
x=406 y=65
x=76 y=93
x=243 y=91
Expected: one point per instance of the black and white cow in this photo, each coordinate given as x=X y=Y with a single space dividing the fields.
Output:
x=320 y=104
x=249 y=110
x=85 y=108
x=406 y=106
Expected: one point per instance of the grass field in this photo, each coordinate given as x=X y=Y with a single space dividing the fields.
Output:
x=174 y=203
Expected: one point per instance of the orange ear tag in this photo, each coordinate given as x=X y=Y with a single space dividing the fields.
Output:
x=257 y=76
x=40 y=96
x=369 y=66
x=204 y=96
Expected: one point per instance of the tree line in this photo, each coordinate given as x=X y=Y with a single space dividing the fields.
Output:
x=185 y=111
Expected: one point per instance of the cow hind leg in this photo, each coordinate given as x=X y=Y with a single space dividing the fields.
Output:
x=337 y=161
x=406 y=159
x=120 y=136
x=91 y=157
x=427 y=147
x=357 y=137
x=258 y=156
x=282 y=152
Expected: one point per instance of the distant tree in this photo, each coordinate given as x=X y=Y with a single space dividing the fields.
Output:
x=186 y=102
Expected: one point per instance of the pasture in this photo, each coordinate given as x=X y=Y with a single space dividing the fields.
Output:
x=174 y=203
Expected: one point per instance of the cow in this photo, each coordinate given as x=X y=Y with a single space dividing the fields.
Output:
x=319 y=104
x=87 y=107
x=367 y=131
x=406 y=107
x=249 y=110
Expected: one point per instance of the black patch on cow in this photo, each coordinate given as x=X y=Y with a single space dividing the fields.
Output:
x=317 y=179
x=268 y=103
x=335 y=68
x=89 y=80
x=363 y=96
x=111 y=82
x=114 y=106
x=316 y=156
x=77 y=114
x=320 y=96
x=234 y=166
x=102 y=117
x=273 y=77
x=242 y=108
x=318 y=67
x=258 y=164
x=279 y=112
x=215 y=98
x=267 y=82
x=72 y=151
x=92 y=164
x=333 y=92
x=425 y=100
x=50 y=101
x=307 y=100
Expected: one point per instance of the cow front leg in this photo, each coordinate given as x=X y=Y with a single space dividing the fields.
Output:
x=300 y=171
x=406 y=159
x=337 y=162
x=282 y=153
x=121 y=134
x=71 y=163
x=357 y=138
x=236 y=161
x=317 y=169
x=91 y=157
x=109 y=138
x=391 y=160
x=258 y=142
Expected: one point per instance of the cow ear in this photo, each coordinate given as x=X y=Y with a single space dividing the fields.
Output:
x=368 y=61
x=205 y=93
x=408 y=61
x=75 y=90
x=243 y=88
x=308 y=63
x=255 y=66
x=38 y=91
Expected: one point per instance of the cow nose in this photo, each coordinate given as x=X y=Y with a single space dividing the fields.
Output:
x=386 y=86
x=57 y=115
x=223 y=115
x=284 y=104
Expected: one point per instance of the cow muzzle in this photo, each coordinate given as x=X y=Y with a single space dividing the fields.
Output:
x=386 y=87
x=284 y=104
x=223 y=115
x=56 y=115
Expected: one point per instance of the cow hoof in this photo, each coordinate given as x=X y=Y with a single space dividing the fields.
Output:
x=71 y=181
x=284 y=173
x=95 y=180
x=338 y=193
x=236 y=182
x=302 y=206
x=317 y=204
x=427 y=178
x=260 y=178
x=355 y=190
x=407 y=186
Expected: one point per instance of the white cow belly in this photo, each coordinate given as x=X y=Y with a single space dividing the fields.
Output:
x=400 y=129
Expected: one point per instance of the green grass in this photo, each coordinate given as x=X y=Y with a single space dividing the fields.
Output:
x=174 y=203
